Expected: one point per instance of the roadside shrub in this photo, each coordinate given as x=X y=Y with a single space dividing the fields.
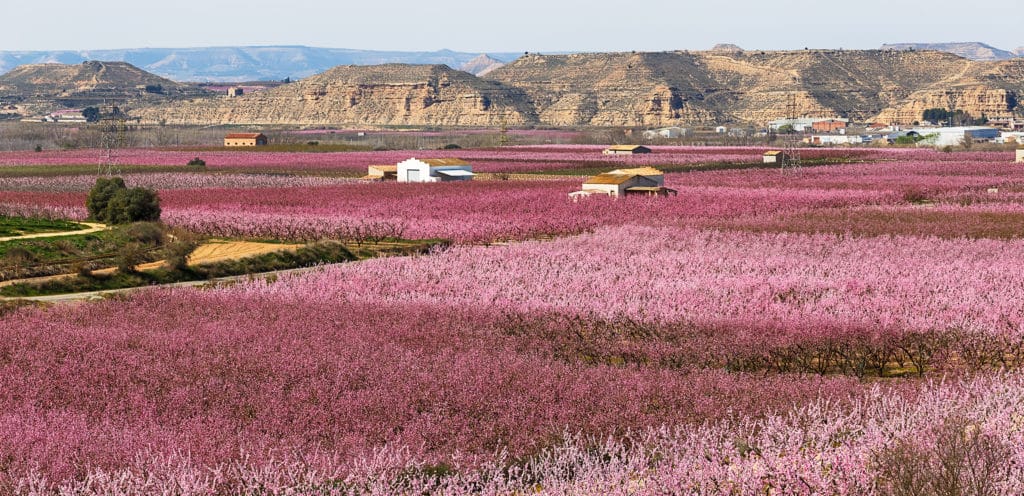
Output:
x=82 y=269
x=177 y=252
x=39 y=148
x=197 y=162
x=312 y=143
x=18 y=257
x=451 y=146
x=128 y=256
x=147 y=233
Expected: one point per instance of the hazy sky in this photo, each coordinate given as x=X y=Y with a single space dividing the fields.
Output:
x=503 y=26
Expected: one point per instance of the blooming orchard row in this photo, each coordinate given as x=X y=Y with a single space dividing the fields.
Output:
x=976 y=199
x=464 y=212
x=705 y=343
x=214 y=375
x=228 y=376
x=510 y=159
x=750 y=300
x=940 y=440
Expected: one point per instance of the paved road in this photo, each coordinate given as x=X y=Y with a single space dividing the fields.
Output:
x=99 y=295
x=93 y=227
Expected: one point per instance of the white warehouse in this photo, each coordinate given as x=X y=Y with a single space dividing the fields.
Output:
x=953 y=136
x=433 y=170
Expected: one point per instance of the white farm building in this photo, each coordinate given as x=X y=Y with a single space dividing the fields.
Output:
x=953 y=136
x=666 y=133
x=646 y=181
x=433 y=170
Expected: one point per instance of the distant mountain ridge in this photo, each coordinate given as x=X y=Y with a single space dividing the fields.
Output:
x=972 y=50
x=481 y=65
x=231 y=64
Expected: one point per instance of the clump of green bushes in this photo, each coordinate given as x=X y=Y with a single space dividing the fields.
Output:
x=111 y=202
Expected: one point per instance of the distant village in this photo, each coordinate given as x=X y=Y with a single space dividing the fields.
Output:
x=837 y=131
x=811 y=131
x=648 y=181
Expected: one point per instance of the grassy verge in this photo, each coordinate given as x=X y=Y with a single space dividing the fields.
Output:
x=18 y=226
x=324 y=252
x=86 y=170
x=37 y=257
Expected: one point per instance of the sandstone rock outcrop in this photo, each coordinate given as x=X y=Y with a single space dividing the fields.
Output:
x=632 y=89
x=678 y=88
x=391 y=94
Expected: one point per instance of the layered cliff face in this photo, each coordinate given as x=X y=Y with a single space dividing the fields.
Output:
x=992 y=89
x=631 y=89
x=656 y=89
x=392 y=94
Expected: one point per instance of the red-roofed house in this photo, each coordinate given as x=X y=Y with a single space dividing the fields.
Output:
x=245 y=139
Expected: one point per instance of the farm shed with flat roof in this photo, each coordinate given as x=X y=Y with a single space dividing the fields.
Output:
x=382 y=172
x=626 y=150
x=625 y=182
x=432 y=170
x=775 y=157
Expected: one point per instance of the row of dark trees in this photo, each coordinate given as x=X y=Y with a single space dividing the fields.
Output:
x=953 y=117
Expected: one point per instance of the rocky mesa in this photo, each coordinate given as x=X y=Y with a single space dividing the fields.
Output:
x=630 y=89
x=721 y=86
x=54 y=86
x=390 y=94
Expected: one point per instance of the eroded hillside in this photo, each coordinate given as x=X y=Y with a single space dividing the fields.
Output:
x=391 y=94
x=631 y=89
x=50 y=87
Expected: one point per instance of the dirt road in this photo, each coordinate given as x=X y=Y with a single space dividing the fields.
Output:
x=93 y=227
x=99 y=295
x=211 y=252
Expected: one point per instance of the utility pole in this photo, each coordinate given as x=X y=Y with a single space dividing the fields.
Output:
x=503 y=137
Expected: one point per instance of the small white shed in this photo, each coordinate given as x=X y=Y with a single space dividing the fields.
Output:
x=775 y=157
x=1020 y=155
x=433 y=170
